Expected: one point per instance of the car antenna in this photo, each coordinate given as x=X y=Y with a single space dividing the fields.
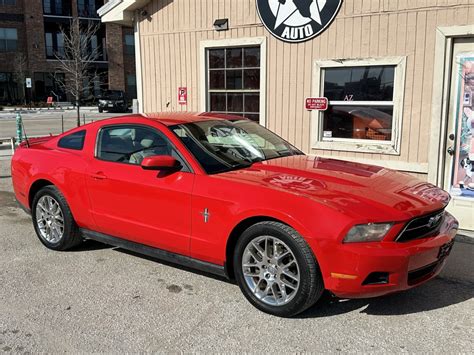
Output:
x=24 y=132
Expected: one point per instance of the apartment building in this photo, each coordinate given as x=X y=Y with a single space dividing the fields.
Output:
x=30 y=29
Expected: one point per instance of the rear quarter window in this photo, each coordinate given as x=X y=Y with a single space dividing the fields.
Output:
x=73 y=141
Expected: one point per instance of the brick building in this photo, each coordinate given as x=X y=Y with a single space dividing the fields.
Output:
x=31 y=28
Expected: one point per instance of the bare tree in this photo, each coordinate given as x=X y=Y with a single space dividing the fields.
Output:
x=20 y=71
x=75 y=60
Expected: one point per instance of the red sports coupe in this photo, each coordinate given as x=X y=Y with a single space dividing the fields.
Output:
x=225 y=195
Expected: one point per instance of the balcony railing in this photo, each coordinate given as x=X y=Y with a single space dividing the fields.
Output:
x=87 y=11
x=56 y=8
x=55 y=52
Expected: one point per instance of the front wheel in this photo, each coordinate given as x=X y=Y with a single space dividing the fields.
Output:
x=276 y=269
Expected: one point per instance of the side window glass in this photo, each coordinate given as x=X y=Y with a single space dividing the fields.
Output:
x=73 y=141
x=148 y=143
x=131 y=144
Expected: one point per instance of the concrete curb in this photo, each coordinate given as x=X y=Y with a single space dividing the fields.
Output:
x=464 y=239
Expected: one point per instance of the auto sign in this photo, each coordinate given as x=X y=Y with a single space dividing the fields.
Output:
x=297 y=20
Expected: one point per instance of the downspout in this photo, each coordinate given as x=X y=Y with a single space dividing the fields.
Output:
x=138 y=61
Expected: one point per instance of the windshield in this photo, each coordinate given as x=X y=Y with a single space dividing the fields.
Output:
x=228 y=145
x=113 y=94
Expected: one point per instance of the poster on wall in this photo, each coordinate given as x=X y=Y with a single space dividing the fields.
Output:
x=297 y=20
x=463 y=172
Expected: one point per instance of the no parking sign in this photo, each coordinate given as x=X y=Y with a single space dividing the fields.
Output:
x=182 y=95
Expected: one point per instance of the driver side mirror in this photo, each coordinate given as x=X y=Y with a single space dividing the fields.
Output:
x=161 y=162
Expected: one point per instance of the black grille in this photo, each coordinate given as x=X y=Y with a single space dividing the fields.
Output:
x=422 y=227
x=419 y=275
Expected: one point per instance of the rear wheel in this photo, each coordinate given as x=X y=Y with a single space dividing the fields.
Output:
x=101 y=110
x=53 y=221
x=276 y=269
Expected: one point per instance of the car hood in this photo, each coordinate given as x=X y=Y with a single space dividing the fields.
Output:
x=358 y=189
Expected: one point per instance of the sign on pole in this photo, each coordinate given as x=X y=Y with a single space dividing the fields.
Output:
x=182 y=95
x=28 y=83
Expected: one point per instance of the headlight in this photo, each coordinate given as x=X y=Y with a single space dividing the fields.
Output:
x=372 y=232
x=102 y=102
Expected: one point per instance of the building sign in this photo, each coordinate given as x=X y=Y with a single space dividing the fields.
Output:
x=297 y=20
x=182 y=95
x=317 y=103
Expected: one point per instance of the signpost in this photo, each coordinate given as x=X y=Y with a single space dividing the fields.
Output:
x=183 y=95
x=317 y=103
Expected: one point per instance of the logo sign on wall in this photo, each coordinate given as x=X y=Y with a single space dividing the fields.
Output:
x=297 y=20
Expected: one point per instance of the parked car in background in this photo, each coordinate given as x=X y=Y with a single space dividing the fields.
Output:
x=224 y=195
x=113 y=101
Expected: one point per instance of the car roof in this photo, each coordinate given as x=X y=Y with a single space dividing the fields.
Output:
x=174 y=118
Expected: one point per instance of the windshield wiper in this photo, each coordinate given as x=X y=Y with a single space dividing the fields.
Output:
x=239 y=166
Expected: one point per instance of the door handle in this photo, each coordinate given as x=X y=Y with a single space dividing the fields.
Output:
x=99 y=176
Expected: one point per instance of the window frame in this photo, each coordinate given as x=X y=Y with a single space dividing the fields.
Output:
x=186 y=166
x=236 y=43
x=392 y=147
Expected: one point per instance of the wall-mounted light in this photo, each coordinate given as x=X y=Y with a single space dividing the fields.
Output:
x=221 y=24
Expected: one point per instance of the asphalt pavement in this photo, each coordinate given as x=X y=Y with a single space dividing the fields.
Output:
x=103 y=299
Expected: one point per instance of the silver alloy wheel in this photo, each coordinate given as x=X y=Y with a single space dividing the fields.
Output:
x=271 y=270
x=49 y=219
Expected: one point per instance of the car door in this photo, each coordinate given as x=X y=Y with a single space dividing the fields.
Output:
x=144 y=206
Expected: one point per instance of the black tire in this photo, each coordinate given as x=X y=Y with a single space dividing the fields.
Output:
x=71 y=236
x=311 y=284
x=101 y=110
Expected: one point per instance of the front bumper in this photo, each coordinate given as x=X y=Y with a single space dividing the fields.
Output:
x=356 y=270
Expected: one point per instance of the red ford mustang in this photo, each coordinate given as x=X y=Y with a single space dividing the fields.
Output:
x=225 y=195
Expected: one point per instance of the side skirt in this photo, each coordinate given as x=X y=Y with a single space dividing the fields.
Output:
x=156 y=253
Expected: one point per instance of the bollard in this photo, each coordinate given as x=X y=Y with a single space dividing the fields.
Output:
x=19 y=128
x=84 y=118
x=62 y=123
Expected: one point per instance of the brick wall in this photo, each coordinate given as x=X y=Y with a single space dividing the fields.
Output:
x=27 y=17
x=115 y=57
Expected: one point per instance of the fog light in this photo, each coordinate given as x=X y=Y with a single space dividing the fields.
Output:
x=376 y=278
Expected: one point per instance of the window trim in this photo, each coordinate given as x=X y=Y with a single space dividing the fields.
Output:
x=186 y=166
x=235 y=42
x=360 y=145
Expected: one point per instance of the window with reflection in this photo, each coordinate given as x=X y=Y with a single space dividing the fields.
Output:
x=8 y=39
x=361 y=102
x=233 y=81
